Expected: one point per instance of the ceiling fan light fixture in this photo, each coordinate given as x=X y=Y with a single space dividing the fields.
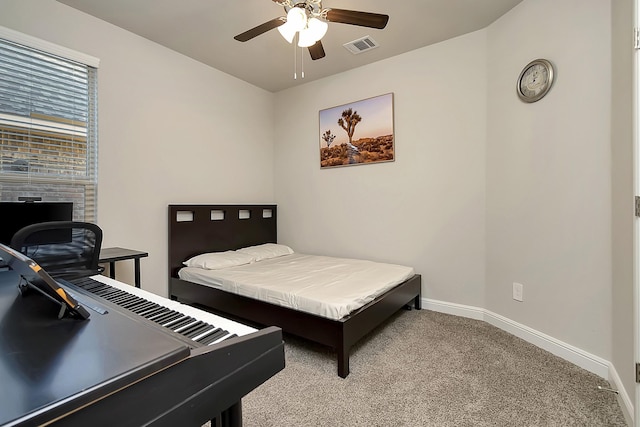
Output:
x=317 y=27
x=287 y=32
x=306 y=39
x=296 y=19
x=310 y=20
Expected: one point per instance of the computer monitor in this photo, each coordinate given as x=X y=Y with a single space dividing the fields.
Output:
x=38 y=279
x=17 y=215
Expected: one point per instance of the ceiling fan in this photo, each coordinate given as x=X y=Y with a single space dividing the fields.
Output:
x=309 y=20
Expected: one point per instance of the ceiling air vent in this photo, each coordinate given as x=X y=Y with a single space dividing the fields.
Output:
x=361 y=45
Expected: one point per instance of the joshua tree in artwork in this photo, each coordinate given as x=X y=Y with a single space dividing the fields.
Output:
x=348 y=122
x=328 y=137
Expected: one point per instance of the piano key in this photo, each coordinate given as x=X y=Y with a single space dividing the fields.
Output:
x=167 y=316
x=144 y=307
x=117 y=299
x=201 y=326
x=133 y=303
x=194 y=329
x=153 y=311
x=140 y=306
x=213 y=338
x=178 y=324
x=202 y=332
x=111 y=292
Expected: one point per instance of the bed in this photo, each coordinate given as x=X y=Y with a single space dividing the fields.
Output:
x=204 y=229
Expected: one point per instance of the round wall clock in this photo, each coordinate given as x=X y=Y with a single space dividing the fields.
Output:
x=535 y=80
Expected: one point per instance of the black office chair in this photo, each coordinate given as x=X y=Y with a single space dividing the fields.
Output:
x=65 y=249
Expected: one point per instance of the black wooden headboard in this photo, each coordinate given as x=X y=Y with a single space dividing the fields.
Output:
x=196 y=229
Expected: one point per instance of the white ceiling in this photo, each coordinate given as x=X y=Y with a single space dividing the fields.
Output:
x=204 y=31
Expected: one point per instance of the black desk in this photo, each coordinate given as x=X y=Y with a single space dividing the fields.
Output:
x=111 y=255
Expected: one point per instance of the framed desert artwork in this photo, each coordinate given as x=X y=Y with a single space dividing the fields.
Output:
x=357 y=133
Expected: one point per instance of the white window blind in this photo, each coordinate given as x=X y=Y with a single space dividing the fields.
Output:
x=48 y=128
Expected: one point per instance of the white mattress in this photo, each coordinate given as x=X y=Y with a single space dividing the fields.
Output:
x=325 y=286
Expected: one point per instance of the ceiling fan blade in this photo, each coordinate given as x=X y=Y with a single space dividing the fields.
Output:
x=260 y=29
x=316 y=51
x=353 y=17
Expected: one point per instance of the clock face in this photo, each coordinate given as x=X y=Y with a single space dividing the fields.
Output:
x=535 y=80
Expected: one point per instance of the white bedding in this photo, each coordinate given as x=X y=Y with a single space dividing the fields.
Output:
x=326 y=286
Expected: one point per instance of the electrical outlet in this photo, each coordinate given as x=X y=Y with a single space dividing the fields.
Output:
x=518 y=290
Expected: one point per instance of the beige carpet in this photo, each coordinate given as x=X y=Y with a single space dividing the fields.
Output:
x=424 y=368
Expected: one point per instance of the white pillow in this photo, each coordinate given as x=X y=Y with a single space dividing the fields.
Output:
x=218 y=260
x=266 y=251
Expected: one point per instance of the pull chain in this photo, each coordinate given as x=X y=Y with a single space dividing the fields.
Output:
x=295 y=61
x=295 y=58
x=302 y=61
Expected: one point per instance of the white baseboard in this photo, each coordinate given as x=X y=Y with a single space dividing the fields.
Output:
x=455 y=309
x=581 y=358
x=623 y=398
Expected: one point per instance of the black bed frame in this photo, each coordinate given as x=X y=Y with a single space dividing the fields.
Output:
x=192 y=231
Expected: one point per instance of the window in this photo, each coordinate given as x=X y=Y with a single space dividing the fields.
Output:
x=48 y=124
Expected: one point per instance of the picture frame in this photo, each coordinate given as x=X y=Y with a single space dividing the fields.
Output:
x=357 y=133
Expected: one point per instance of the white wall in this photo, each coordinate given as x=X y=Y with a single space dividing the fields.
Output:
x=171 y=130
x=425 y=209
x=549 y=173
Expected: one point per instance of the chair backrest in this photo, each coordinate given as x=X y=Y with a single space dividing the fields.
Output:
x=65 y=249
